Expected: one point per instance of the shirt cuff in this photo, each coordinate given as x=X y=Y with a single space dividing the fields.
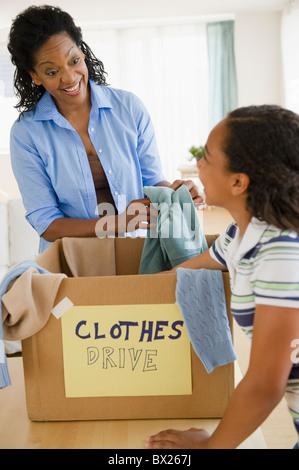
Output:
x=41 y=219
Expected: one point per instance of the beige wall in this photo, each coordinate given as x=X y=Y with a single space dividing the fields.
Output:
x=8 y=186
x=258 y=58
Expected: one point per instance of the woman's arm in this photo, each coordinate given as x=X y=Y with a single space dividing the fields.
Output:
x=257 y=394
x=138 y=214
x=68 y=227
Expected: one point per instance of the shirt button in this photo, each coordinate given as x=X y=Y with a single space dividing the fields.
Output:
x=100 y=150
x=116 y=193
x=92 y=129
x=109 y=172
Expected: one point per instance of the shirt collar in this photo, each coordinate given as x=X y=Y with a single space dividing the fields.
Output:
x=46 y=110
x=250 y=239
x=99 y=96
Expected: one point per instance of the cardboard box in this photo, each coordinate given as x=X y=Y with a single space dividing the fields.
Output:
x=43 y=353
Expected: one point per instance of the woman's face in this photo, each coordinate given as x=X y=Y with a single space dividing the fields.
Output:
x=60 y=67
x=213 y=173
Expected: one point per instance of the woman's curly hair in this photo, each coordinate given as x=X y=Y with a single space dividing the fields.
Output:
x=29 y=31
x=263 y=142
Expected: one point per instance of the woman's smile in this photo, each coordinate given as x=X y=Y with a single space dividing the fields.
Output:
x=73 y=90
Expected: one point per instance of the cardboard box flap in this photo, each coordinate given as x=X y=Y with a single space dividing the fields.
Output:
x=80 y=257
x=128 y=252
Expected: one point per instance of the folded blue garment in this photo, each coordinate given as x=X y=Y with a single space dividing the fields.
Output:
x=201 y=298
x=5 y=283
x=178 y=235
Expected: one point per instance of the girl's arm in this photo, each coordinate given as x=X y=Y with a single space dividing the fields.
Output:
x=257 y=394
x=265 y=381
x=201 y=261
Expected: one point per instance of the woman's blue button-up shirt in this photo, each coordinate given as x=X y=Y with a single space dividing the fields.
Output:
x=50 y=163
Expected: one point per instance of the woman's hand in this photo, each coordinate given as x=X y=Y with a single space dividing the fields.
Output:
x=193 y=190
x=139 y=214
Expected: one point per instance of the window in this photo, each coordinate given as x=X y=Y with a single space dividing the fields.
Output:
x=167 y=67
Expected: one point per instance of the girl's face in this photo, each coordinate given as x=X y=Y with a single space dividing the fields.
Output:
x=60 y=67
x=213 y=173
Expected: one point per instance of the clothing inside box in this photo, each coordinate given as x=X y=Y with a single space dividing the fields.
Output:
x=83 y=257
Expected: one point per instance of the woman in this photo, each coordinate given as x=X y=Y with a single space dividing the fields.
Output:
x=251 y=168
x=78 y=143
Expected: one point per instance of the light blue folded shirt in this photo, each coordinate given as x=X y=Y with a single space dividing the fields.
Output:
x=201 y=298
x=178 y=235
x=15 y=272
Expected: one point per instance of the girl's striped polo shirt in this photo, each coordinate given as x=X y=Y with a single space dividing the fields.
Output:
x=264 y=269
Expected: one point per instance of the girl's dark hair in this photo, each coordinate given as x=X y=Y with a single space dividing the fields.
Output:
x=29 y=31
x=263 y=142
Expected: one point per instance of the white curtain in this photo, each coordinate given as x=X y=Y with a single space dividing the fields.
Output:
x=290 y=41
x=167 y=67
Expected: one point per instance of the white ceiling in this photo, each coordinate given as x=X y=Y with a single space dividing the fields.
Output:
x=111 y=10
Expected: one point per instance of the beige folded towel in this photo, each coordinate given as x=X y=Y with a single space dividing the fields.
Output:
x=27 y=304
x=29 y=299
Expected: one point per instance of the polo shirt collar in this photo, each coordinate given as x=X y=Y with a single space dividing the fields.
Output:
x=250 y=239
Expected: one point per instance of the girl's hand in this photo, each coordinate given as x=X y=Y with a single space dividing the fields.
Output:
x=192 y=438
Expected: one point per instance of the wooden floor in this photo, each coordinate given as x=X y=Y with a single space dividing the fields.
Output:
x=278 y=430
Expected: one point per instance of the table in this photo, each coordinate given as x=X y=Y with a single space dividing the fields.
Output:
x=18 y=432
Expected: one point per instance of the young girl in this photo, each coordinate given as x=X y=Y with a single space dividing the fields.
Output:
x=251 y=168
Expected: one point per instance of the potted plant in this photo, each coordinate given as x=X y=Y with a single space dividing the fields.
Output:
x=197 y=153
